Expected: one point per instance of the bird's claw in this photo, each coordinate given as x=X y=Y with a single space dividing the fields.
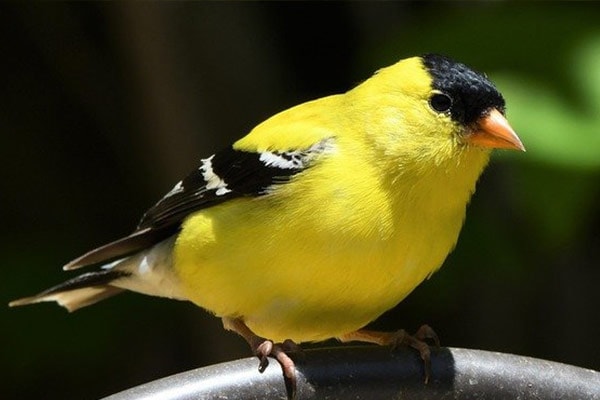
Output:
x=279 y=351
x=265 y=348
x=426 y=334
x=418 y=341
x=262 y=351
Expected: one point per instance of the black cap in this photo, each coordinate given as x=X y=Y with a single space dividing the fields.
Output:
x=471 y=92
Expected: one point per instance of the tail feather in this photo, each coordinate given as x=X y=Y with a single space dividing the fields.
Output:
x=79 y=292
x=136 y=242
x=149 y=272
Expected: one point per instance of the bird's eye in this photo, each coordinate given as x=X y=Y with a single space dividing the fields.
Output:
x=440 y=102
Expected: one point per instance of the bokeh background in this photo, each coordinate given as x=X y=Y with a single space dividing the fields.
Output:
x=103 y=107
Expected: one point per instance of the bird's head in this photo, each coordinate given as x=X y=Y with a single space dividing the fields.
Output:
x=471 y=102
x=432 y=107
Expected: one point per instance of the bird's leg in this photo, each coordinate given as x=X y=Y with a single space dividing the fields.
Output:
x=263 y=348
x=418 y=341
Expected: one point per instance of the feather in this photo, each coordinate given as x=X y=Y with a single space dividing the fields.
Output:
x=81 y=291
x=225 y=175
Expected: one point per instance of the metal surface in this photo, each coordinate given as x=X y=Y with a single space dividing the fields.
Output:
x=377 y=373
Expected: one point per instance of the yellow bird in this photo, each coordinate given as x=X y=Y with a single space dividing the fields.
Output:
x=321 y=218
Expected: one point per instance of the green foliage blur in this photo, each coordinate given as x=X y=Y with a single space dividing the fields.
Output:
x=104 y=106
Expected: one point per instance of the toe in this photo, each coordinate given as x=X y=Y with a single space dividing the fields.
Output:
x=426 y=333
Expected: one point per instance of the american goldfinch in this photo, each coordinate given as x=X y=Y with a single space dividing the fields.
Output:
x=321 y=218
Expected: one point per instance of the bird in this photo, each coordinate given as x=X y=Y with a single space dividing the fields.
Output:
x=320 y=218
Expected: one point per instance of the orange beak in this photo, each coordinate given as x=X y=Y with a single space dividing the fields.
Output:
x=493 y=131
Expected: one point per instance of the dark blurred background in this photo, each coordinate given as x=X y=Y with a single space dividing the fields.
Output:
x=103 y=107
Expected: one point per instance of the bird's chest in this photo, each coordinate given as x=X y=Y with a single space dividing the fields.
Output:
x=317 y=272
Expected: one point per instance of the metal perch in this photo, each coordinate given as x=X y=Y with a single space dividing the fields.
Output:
x=373 y=373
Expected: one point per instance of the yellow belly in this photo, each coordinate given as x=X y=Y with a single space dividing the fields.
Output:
x=327 y=253
x=307 y=277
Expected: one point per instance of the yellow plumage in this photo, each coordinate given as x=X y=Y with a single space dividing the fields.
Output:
x=322 y=217
x=350 y=237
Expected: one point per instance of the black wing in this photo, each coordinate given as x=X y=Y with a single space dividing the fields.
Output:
x=227 y=174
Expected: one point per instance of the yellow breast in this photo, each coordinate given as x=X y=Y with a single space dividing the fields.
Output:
x=310 y=262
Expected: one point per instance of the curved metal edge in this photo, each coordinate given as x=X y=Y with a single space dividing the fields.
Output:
x=367 y=372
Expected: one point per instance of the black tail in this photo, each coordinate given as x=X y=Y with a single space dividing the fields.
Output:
x=81 y=291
